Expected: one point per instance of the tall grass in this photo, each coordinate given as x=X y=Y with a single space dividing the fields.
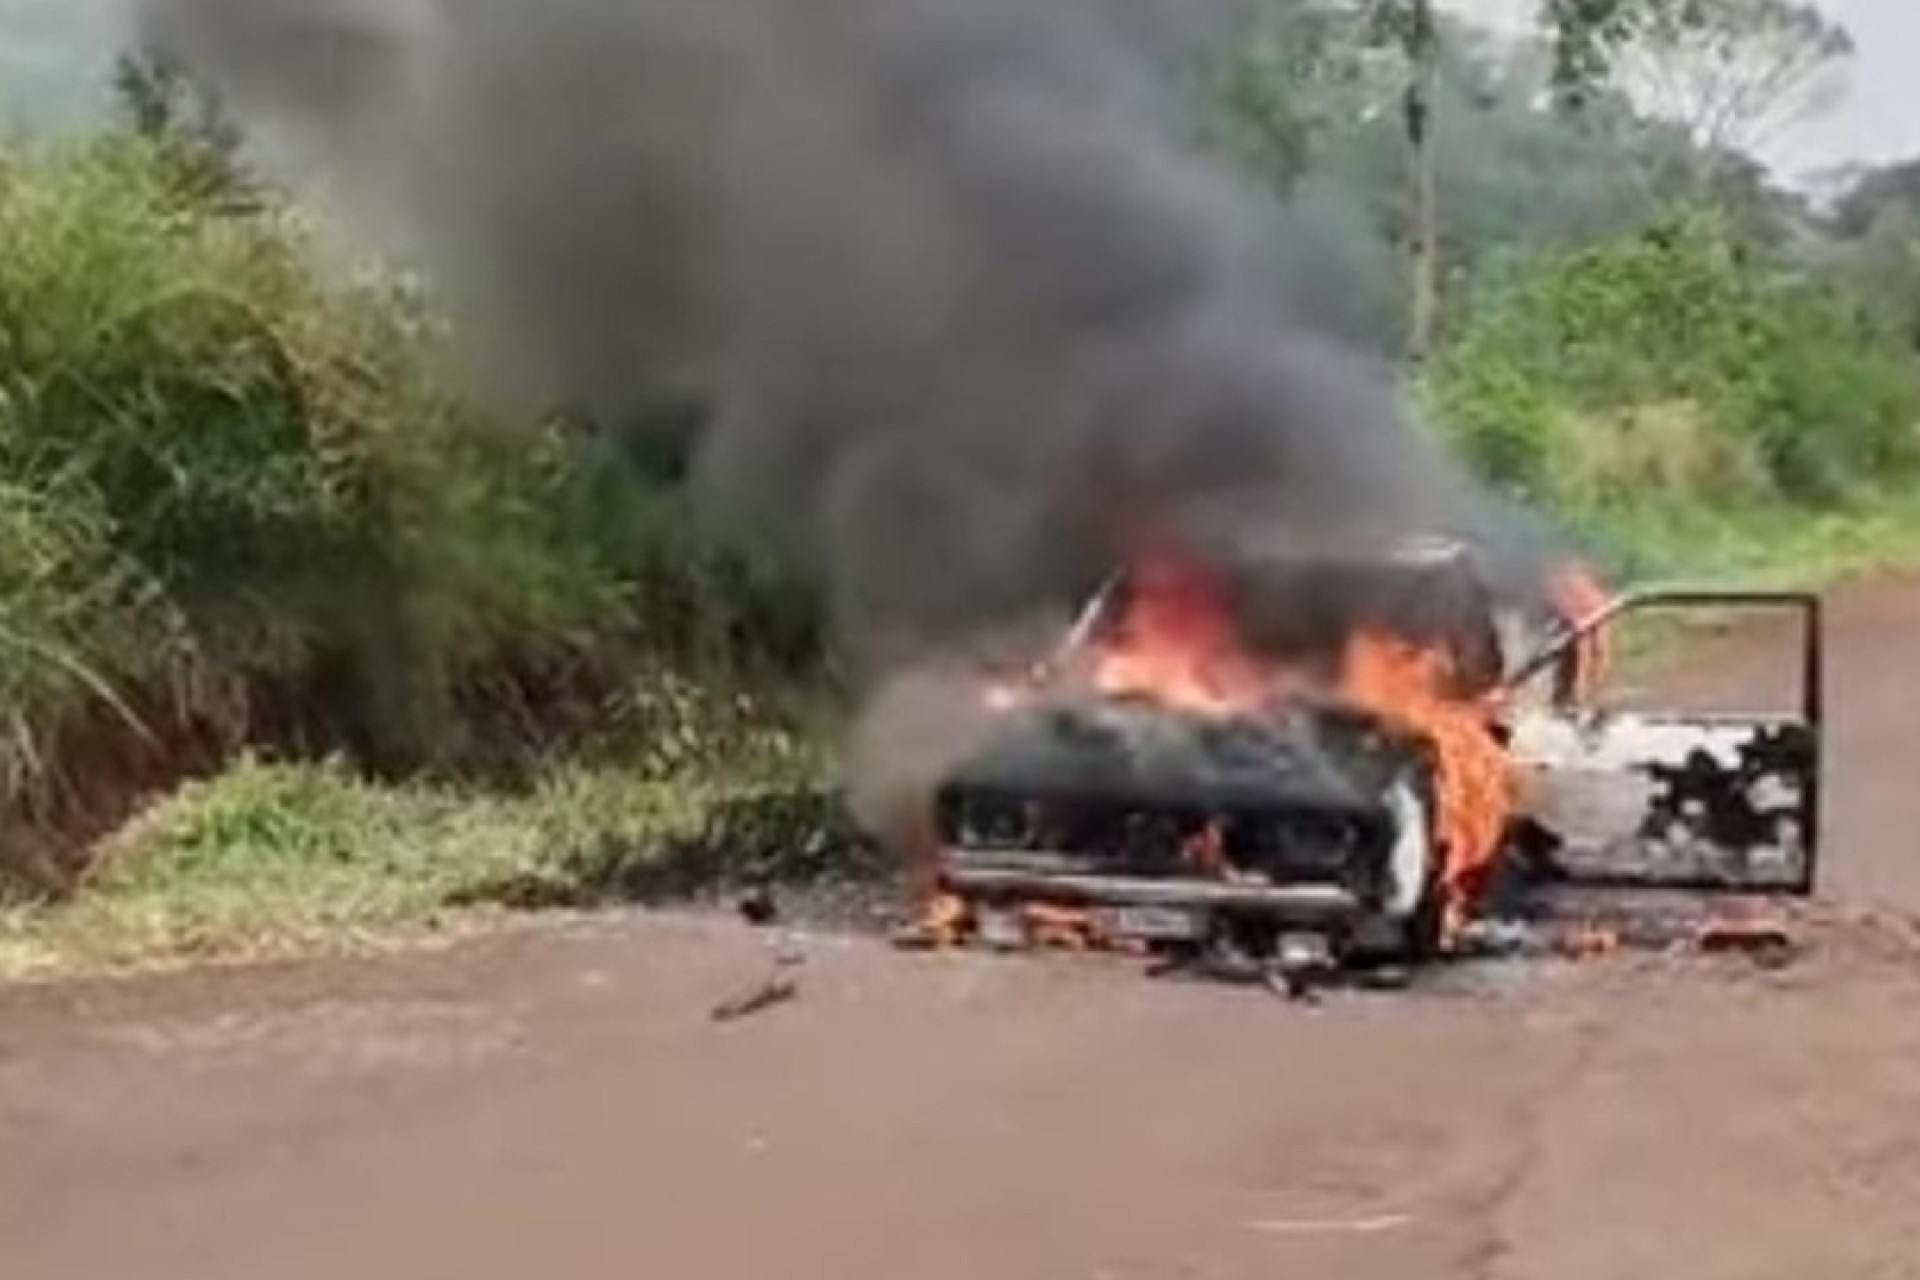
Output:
x=236 y=508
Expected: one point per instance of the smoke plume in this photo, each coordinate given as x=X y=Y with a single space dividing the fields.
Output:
x=964 y=307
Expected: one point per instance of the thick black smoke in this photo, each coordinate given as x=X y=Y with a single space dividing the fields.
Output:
x=966 y=307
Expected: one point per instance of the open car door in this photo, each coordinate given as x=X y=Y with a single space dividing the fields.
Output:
x=1706 y=802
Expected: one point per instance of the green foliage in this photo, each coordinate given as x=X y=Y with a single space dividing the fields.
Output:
x=1591 y=37
x=1760 y=545
x=232 y=465
x=236 y=505
x=277 y=859
x=718 y=609
x=185 y=124
x=1313 y=109
x=1874 y=251
x=1674 y=367
x=1890 y=193
x=1270 y=121
x=1296 y=74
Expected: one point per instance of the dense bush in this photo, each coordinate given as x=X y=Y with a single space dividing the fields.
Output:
x=225 y=468
x=236 y=506
x=1673 y=366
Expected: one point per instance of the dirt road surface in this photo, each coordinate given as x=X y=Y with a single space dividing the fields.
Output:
x=558 y=1103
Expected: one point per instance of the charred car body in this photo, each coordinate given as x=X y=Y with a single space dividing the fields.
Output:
x=1197 y=774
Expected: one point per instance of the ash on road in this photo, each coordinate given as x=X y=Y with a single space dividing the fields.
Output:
x=560 y=1102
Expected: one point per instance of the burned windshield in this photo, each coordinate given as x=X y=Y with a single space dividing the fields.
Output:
x=1304 y=611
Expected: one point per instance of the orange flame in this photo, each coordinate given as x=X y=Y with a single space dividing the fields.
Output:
x=1060 y=928
x=1590 y=940
x=1578 y=597
x=942 y=922
x=1177 y=644
x=1406 y=686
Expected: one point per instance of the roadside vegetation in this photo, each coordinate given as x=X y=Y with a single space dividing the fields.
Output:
x=299 y=650
x=268 y=860
x=240 y=516
x=1687 y=404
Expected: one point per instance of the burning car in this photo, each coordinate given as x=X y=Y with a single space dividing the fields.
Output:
x=1287 y=763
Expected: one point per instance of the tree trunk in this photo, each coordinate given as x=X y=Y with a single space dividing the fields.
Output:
x=1423 y=213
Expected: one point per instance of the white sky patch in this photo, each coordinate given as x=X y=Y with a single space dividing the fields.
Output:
x=1877 y=120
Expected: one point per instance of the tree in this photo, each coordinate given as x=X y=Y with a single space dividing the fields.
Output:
x=1876 y=246
x=1287 y=84
x=1585 y=33
x=1277 y=95
x=1316 y=68
x=1730 y=73
x=1320 y=107
x=1414 y=28
x=158 y=100
x=1875 y=194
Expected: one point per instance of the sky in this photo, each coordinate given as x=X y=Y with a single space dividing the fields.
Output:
x=1878 y=118
x=51 y=56
x=49 y=47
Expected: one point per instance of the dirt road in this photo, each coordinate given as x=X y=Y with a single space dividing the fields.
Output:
x=558 y=1104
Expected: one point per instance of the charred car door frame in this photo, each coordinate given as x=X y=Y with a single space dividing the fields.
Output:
x=1704 y=791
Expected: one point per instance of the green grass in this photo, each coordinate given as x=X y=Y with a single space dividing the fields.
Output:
x=280 y=860
x=1757 y=548
x=1767 y=546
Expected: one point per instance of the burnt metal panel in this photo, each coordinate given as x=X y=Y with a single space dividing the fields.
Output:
x=1725 y=803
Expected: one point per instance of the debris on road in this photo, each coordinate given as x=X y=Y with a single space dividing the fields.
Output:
x=1766 y=940
x=760 y=908
x=939 y=926
x=1589 y=940
x=776 y=988
x=768 y=994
